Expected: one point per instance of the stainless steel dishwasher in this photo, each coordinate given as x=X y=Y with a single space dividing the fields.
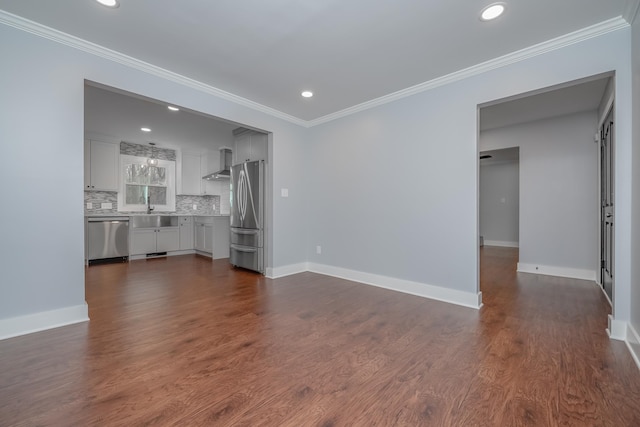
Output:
x=107 y=239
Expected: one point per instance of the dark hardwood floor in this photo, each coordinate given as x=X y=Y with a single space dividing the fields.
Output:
x=187 y=342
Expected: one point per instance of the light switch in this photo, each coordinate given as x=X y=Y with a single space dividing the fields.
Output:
x=195 y=207
x=284 y=192
x=106 y=206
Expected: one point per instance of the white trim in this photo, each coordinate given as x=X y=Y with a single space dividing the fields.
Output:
x=633 y=339
x=550 y=270
x=466 y=299
x=120 y=58
x=511 y=58
x=286 y=270
x=617 y=329
x=578 y=36
x=501 y=243
x=27 y=324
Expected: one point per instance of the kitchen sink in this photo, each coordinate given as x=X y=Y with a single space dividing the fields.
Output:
x=153 y=221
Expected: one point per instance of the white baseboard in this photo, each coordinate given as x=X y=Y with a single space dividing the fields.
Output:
x=633 y=342
x=501 y=243
x=466 y=299
x=22 y=325
x=286 y=270
x=617 y=329
x=549 y=270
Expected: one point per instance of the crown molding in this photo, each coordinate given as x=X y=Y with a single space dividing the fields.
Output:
x=120 y=58
x=631 y=12
x=596 y=30
x=511 y=58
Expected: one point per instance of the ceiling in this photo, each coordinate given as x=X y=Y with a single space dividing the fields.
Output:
x=118 y=116
x=501 y=155
x=574 y=97
x=346 y=52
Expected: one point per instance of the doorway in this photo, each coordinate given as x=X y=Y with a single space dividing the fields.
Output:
x=499 y=197
x=607 y=204
x=559 y=166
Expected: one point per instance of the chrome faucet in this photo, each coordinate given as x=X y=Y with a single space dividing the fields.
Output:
x=149 y=208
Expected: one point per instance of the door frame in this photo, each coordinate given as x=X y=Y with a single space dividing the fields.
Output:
x=608 y=109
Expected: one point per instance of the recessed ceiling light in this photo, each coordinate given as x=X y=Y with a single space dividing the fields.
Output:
x=307 y=94
x=109 y=3
x=172 y=108
x=145 y=129
x=492 y=11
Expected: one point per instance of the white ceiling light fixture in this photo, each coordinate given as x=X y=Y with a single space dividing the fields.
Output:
x=109 y=3
x=172 y=108
x=492 y=11
x=145 y=129
x=307 y=94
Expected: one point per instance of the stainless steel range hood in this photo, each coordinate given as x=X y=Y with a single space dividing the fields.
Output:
x=225 y=167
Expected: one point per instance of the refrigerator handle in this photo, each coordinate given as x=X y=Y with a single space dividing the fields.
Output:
x=245 y=231
x=244 y=249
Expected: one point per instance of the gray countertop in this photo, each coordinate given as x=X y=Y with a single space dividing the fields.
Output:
x=124 y=214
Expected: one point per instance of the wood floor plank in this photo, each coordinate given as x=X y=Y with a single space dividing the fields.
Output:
x=187 y=341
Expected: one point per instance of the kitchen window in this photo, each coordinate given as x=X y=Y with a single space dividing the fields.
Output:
x=142 y=184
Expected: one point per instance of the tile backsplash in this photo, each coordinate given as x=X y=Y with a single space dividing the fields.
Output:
x=96 y=198
x=225 y=201
x=139 y=150
x=205 y=205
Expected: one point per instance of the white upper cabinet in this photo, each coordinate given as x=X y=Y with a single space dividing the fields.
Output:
x=192 y=168
x=249 y=145
x=190 y=175
x=101 y=165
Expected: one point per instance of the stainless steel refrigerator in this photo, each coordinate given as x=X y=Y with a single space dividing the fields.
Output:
x=247 y=215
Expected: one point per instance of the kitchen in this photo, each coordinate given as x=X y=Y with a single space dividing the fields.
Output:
x=157 y=182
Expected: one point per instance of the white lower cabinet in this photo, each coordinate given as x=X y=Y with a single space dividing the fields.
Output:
x=186 y=233
x=206 y=234
x=204 y=237
x=221 y=234
x=143 y=241
x=168 y=239
x=152 y=240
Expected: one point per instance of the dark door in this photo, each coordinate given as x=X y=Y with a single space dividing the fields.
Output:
x=607 y=204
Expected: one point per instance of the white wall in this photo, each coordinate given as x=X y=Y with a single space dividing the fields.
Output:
x=558 y=189
x=41 y=125
x=368 y=187
x=499 y=202
x=395 y=192
x=635 y=256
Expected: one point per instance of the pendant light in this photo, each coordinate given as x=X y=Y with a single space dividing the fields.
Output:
x=152 y=161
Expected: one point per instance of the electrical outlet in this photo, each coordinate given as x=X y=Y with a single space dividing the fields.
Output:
x=89 y=205
x=318 y=249
x=195 y=207
x=106 y=206
x=284 y=192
